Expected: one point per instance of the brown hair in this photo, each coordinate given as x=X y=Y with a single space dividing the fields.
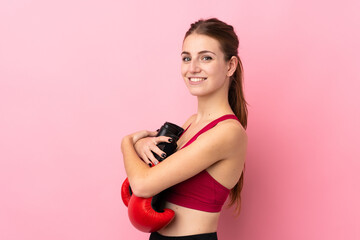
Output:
x=229 y=44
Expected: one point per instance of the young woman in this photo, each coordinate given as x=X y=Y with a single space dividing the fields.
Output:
x=209 y=162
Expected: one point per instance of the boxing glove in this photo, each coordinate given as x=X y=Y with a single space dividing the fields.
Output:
x=149 y=214
x=145 y=217
x=126 y=192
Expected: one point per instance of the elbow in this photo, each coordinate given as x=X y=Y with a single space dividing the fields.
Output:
x=141 y=189
x=140 y=192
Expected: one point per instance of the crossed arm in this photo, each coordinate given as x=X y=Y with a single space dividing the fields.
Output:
x=217 y=144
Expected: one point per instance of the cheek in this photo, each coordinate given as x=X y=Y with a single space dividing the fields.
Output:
x=183 y=69
x=218 y=70
x=219 y=74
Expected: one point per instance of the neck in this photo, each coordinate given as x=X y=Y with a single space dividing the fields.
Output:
x=212 y=106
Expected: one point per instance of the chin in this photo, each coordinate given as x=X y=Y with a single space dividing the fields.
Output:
x=198 y=93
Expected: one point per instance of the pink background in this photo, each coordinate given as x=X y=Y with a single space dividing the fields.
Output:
x=76 y=76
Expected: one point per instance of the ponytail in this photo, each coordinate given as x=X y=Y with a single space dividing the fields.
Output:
x=239 y=106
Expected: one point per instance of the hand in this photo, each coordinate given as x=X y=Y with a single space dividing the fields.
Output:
x=133 y=138
x=144 y=146
x=141 y=134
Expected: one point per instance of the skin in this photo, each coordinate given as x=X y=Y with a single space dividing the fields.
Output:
x=222 y=156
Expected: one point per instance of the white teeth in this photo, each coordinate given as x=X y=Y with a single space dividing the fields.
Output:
x=196 y=79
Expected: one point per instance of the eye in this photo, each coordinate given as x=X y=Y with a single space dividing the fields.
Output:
x=186 y=59
x=207 y=58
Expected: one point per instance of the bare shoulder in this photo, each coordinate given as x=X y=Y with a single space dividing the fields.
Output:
x=234 y=129
x=230 y=137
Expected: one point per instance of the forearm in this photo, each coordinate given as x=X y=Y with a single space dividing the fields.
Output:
x=135 y=168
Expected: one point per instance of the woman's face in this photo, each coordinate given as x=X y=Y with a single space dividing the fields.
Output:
x=203 y=66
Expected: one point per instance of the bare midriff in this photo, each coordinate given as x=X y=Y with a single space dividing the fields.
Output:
x=189 y=221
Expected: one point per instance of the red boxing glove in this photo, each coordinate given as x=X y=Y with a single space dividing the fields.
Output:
x=148 y=214
x=126 y=192
x=143 y=213
x=145 y=218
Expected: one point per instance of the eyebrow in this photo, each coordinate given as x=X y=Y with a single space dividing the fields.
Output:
x=201 y=52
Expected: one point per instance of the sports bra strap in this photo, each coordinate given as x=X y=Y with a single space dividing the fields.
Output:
x=184 y=131
x=209 y=126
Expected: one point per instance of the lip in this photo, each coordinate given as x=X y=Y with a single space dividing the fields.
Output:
x=196 y=83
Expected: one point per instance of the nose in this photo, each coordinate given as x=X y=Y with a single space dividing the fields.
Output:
x=194 y=66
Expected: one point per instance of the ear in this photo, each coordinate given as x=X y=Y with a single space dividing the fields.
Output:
x=232 y=64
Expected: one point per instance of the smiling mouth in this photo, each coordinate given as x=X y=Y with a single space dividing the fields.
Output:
x=196 y=79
